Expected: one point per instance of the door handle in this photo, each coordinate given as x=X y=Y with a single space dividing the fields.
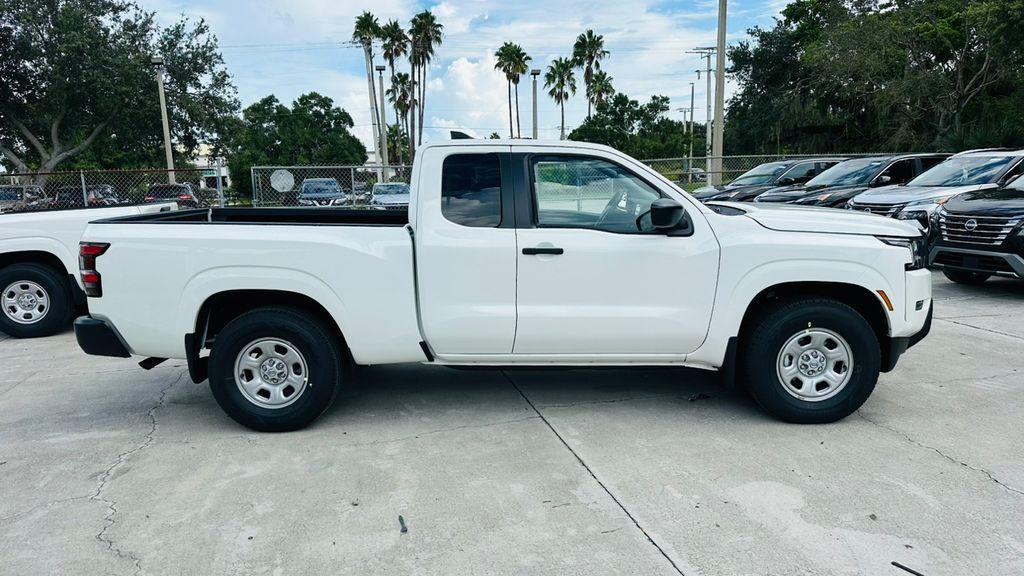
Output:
x=546 y=250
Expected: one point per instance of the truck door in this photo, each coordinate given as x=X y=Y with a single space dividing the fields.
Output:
x=466 y=249
x=595 y=278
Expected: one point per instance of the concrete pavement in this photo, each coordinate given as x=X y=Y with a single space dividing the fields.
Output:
x=108 y=469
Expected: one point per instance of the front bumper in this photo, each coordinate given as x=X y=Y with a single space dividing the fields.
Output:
x=99 y=338
x=983 y=261
x=900 y=344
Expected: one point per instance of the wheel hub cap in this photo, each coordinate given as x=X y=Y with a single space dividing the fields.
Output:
x=271 y=373
x=25 y=302
x=815 y=364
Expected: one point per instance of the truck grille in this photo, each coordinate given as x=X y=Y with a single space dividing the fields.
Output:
x=880 y=209
x=968 y=229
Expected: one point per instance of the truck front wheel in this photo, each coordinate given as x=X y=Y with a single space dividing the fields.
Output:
x=810 y=361
x=36 y=301
x=276 y=369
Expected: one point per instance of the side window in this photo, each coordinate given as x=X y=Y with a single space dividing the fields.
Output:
x=802 y=172
x=900 y=172
x=585 y=192
x=929 y=161
x=1015 y=171
x=471 y=190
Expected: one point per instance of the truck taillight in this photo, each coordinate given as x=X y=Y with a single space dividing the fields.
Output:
x=87 y=254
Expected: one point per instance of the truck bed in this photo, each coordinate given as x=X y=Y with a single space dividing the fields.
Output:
x=271 y=216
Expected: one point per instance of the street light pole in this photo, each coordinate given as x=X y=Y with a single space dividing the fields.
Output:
x=535 y=72
x=719 y=130
x=383 y=126
x=158 y=65
x=691 y=124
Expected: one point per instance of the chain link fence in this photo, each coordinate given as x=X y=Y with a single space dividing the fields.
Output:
x=190 y=188
x=347 y=186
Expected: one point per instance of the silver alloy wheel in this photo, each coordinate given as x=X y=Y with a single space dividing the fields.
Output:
x=271 y=373
x=815 y=364
x=25 y=302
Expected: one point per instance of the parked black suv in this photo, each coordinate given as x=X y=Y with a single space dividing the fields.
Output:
x=980 y=234
x=835 y=186
x=180 y=193
x=765 y=176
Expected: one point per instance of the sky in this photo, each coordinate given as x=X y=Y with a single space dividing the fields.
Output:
x=288 y=48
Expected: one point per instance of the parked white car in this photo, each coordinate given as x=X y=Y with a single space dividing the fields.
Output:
x=512 y=253
x=39 y=266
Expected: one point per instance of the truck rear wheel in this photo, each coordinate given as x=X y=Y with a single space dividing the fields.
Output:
x=36 y=301
x=276 y=369
x=966 y=276
x=810 y=361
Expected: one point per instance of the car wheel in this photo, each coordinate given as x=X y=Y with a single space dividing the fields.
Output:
x=810 y=361
x=276 y=369
x=36 y=301
x=966 y=277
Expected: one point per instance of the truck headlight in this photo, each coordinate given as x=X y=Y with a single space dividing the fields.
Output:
x=916 y=247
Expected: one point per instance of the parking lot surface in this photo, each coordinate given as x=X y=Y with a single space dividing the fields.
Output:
x=108 y=469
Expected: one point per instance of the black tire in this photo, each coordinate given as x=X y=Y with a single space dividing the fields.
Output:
x=325 y=356
x=966 y=276
x=772 y=329
x=55 y=317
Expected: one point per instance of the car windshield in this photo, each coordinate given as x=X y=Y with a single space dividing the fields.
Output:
x=964 y=171
x=763 y=174
x=167 y=191
x=321 y=187
x=858 y=171
x=381 y=189
x=10 y=194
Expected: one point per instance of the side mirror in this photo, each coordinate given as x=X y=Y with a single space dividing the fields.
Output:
x=883 y=180
x=666 y=213
x=786 y=181
x=1009 y=180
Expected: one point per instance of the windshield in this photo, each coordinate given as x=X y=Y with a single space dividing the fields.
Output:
x=763 y=174
x=964 y=171
x=321 y=187
x=391 y=189
x=859 y=171
x=10 y=195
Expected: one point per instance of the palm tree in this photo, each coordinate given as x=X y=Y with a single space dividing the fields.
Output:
x=587 y=53
x=395 y=44
x=561 y=81
x=367 y=29
x=425 y=34
x=512 y=62
x=400 y=95
x=600 y=88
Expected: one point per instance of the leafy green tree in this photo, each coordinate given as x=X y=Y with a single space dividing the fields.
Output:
x=425 y=34
x=367 y=30
x=600 y=88
x=560 y=81
x=313 y=131
x=640 y=130
x=77 y=88
x=587 y=53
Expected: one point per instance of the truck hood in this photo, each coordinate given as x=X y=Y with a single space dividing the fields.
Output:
x=897 y=194
x=790 y=218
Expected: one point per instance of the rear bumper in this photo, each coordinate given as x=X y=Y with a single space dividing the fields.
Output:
x=99 y=338
x=983 y=261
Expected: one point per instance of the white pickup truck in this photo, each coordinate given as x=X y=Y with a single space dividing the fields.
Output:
x=511 y=253
x=39 y=266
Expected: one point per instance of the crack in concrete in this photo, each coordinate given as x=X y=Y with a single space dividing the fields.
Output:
x=19 y=382
x=104 y=479
x=982 y=329
x=919 y=444
x=43 y=505
x=593 y=475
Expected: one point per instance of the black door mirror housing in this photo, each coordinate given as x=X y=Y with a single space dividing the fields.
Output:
x=666 y=213
x=883 y=180
x=786 y=181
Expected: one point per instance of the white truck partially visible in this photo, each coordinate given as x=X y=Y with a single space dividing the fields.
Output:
x=39 y=266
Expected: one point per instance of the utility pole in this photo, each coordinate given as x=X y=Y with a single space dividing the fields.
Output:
x=706 y=52
x=383 y=127
x=158 y=65
x=412 y=121
x=535 y=72
x=717 y=147
x=690 y=129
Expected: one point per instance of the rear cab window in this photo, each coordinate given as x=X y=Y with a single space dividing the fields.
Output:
x=471 y=190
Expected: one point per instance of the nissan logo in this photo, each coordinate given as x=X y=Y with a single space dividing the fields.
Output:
x=867 y=209
x=971 y=224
